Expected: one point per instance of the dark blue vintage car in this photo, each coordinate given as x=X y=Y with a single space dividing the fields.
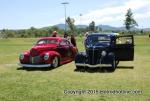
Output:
x=105 y=50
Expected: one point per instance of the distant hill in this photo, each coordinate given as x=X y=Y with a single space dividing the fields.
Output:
x=103 y=27
x=146 y=29
x=81 y=26
x=61 y=26
x=107 y=27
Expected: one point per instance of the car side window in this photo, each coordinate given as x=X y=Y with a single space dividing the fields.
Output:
x=124 y=40
x=52 y=41
x=63 y=42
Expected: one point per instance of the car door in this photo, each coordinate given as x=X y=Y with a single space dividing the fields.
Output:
x=69 y=49
x=64 y=50
x=124 y=48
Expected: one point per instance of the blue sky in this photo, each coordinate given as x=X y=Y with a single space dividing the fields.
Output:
x=20 y=14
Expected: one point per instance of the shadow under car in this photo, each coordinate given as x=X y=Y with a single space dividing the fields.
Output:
x=102 y=69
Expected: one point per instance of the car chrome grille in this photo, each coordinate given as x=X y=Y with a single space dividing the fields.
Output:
x=35 y=60
x=93 y=56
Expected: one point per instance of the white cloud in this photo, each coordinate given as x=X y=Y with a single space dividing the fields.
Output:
x=142 y=15
x=114 y=14
x=136 y=4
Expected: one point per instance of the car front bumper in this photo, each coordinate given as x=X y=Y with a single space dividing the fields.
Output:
x=93 y=66
x=36 y=66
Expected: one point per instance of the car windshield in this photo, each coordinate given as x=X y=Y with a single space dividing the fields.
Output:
x=46 y=41
x=93 y=40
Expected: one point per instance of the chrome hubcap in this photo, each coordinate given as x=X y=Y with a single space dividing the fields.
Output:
x=55 y=62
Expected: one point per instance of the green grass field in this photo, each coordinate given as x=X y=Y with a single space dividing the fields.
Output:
x=17 y=84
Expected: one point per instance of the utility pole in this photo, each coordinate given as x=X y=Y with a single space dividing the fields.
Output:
x=65 y=3
x=80 y=18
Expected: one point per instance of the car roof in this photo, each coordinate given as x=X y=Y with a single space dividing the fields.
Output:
x=52 y=38
x=102 y=34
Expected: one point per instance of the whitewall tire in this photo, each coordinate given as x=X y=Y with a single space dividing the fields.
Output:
x=55 y=62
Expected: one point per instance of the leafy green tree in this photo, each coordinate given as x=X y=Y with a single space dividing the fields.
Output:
x=98 y=29
x=11 y=33
x=54 y=28
x=142 y=31
x=34 y=32
x=21 y=33
x=70 y=22
x=92 y=26
x=81 y=31
x=129 y=20
x=5 y=33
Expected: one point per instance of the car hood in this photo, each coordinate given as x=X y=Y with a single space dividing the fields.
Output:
x=98 y=46
x=38 y=49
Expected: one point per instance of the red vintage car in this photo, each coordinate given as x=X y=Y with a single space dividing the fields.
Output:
x=48 y=52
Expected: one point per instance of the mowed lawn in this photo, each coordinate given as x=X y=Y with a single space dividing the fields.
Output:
x=18 y=84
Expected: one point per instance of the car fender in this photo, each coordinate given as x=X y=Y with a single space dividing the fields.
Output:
x=74 y=51
x=80 y=57
x=53 y=54
x=111 y=56
x=26 y=57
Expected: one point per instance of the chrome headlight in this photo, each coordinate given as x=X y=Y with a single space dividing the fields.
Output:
x=103 y=53
x=46 y=56
x=21 y=56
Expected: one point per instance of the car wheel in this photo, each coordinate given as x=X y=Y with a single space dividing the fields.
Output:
x=55 y=62
x=113 y=65
x=117 y=62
